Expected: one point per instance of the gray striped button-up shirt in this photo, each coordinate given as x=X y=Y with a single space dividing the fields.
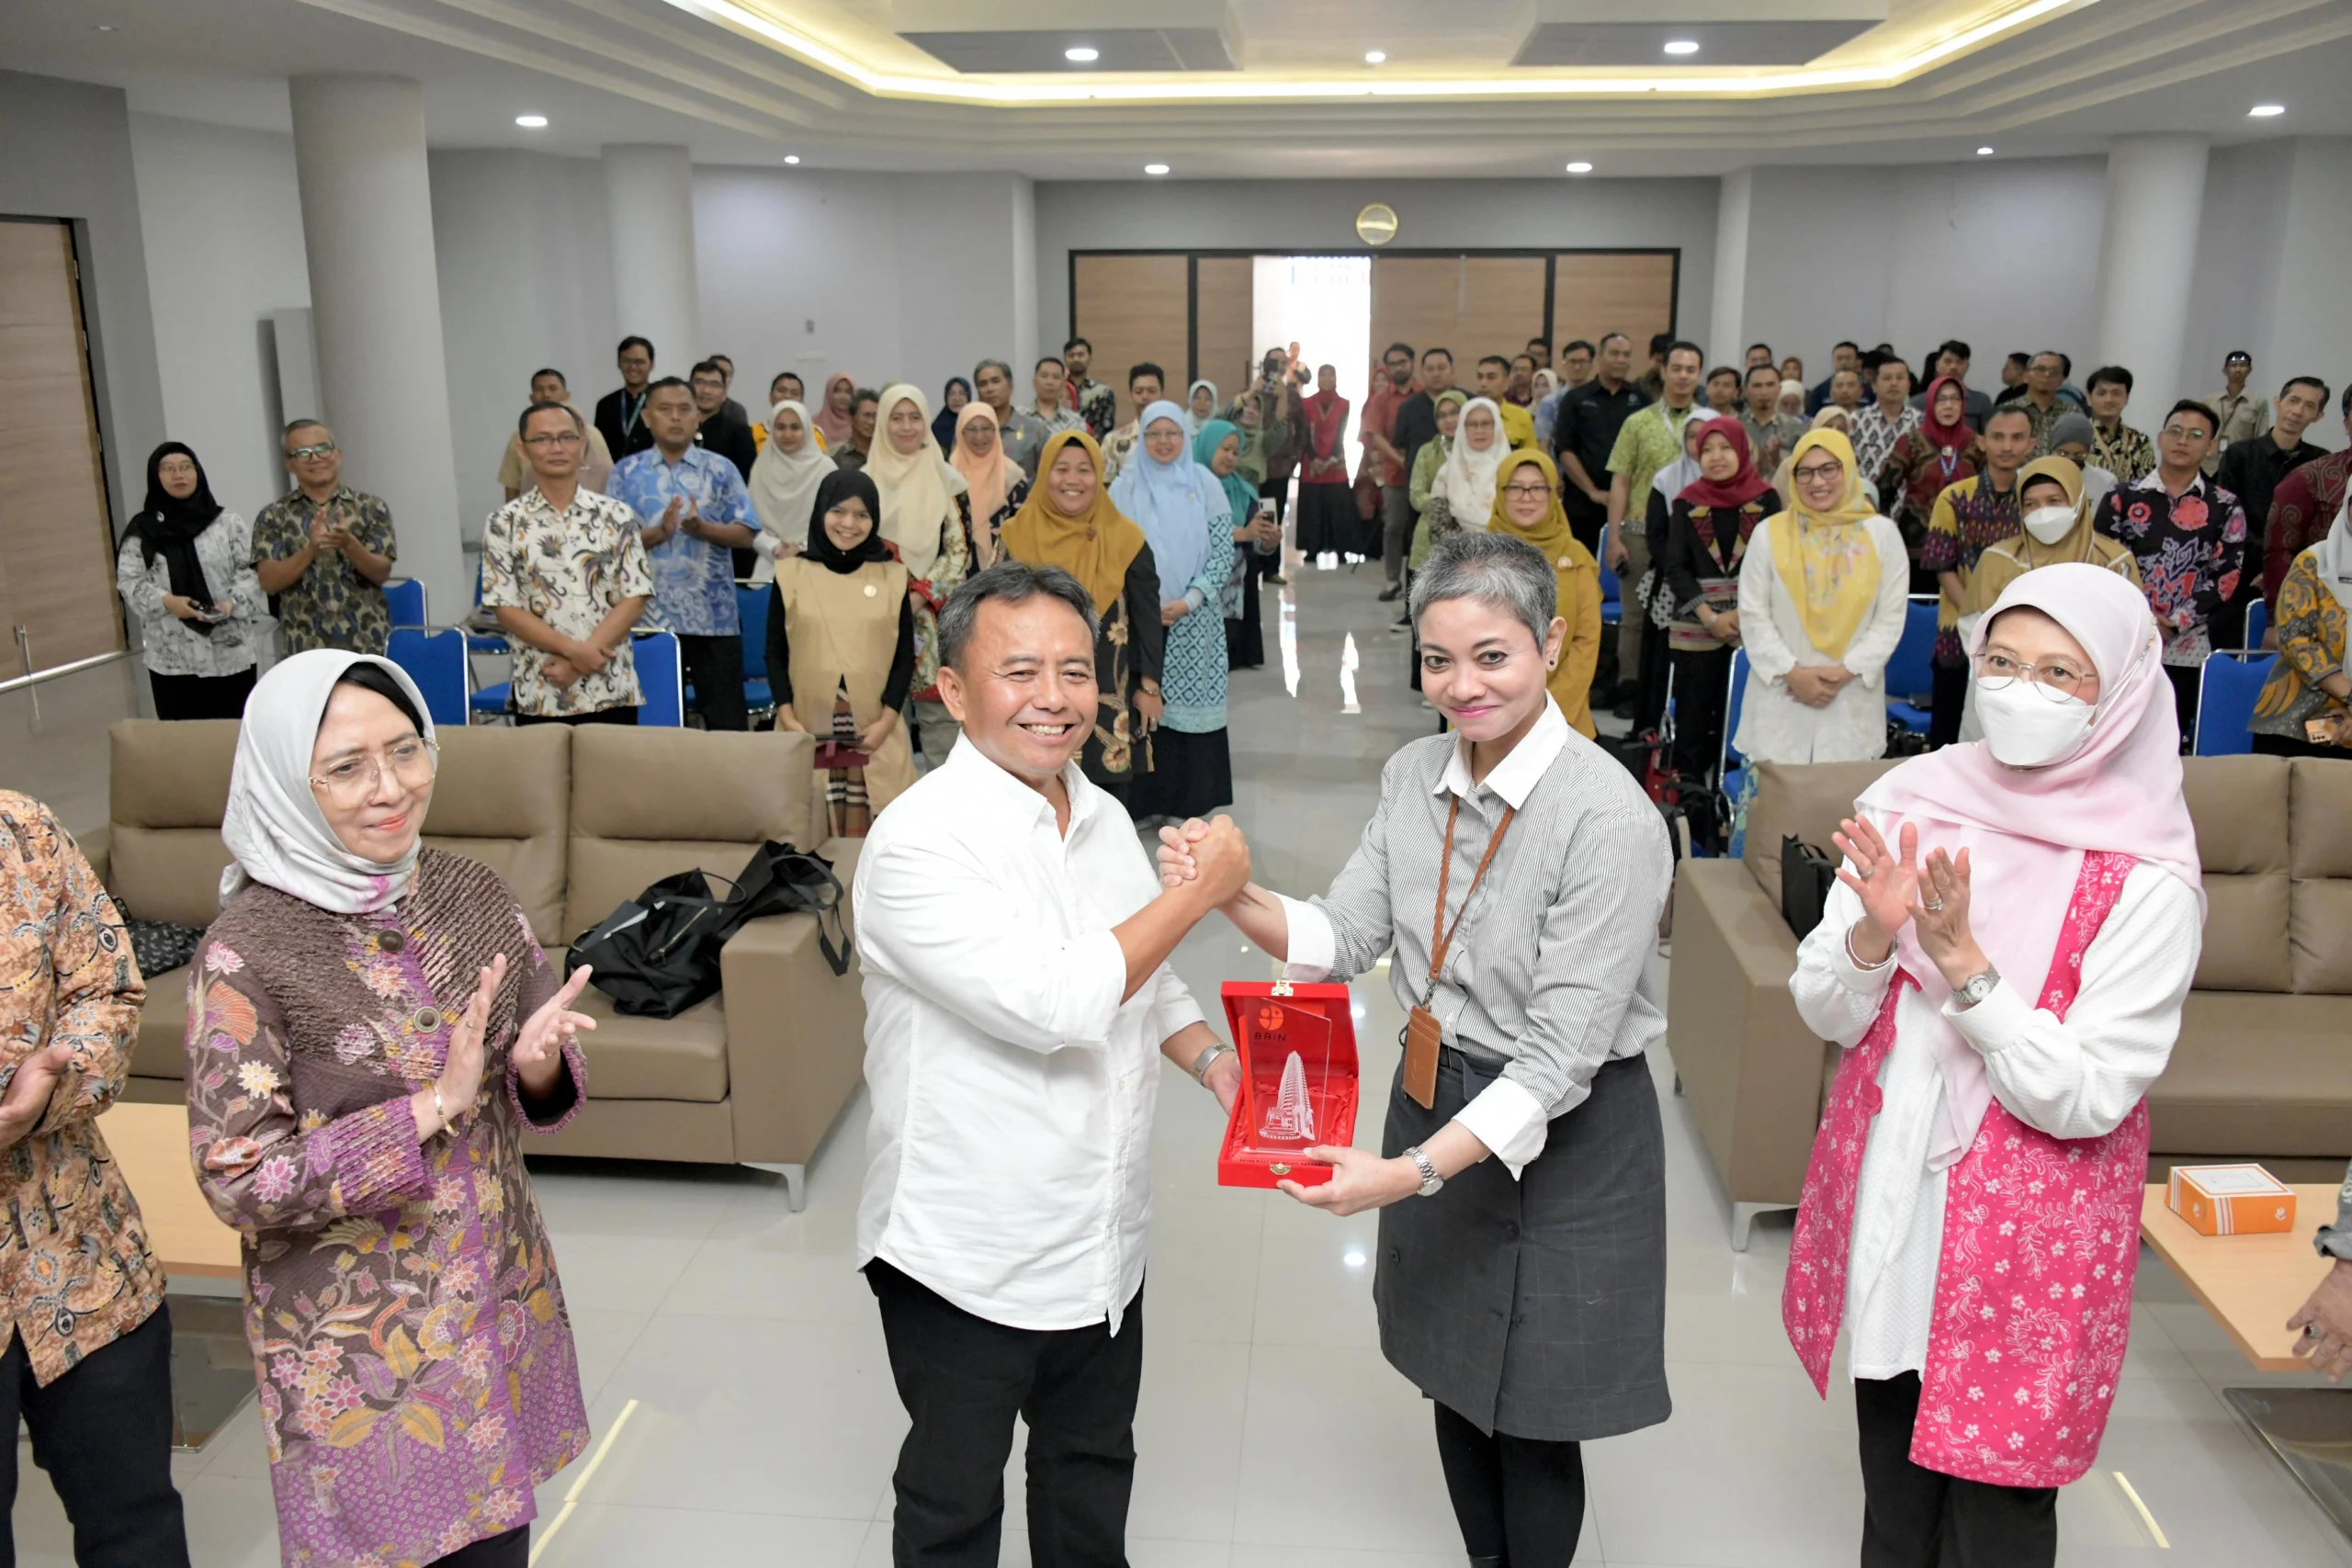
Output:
x=1554 y=970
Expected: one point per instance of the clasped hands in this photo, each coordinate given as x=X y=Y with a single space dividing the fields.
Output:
x=1896 y=890
x=1817 y=685
x=580 y=656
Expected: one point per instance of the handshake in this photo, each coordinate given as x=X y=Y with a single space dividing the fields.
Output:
x=1212 y=855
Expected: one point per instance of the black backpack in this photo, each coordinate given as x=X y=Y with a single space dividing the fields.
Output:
x=657 y=954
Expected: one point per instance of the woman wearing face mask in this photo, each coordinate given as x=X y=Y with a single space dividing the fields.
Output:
x=785 y=477
x=2004 y=959
x=841 y=649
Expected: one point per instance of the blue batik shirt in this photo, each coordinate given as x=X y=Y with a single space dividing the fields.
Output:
x=694 y=579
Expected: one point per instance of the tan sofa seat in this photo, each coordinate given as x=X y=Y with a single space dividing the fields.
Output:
x=655 y=1058
x=2255 y=1074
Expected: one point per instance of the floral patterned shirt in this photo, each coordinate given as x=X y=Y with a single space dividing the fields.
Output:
x=72 y=1249
x=1098 y=405
x=415 y=1356
x=2310 y=649
x=567 y=568
x=1874 y=437
x=2124 y=452
x=694 y=579
x=330 y=606
x=2192 y=548
x=1970 y=517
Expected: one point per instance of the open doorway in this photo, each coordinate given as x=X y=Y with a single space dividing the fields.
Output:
x=1324 y=305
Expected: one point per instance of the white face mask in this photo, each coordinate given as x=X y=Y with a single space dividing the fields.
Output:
x=2050 y=523
x=2026 y=728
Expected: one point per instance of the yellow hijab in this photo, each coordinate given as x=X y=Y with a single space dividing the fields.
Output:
x=1996 y=568
x=1825 y=559
x=1096 y=546
x=1552 y=535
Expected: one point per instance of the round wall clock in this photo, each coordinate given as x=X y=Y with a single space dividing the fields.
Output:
x=1377 y=224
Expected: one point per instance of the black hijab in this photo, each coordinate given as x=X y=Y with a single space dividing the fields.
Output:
x=942 y=423
x=167 y=526
x=832 y=490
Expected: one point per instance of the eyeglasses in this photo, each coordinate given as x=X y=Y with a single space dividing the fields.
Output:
x=2184 y=432
x=2055 y=681
x=319 y=449
x=1527 y=490
x=569 y=438
x=1812 y=473
x=351 y=782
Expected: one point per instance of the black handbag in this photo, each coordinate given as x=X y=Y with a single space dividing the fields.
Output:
x=161 y=946
x=779 y=880
x=1807 y=877
x=658 y=954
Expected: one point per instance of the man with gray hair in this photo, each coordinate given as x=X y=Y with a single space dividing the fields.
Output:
x=1017 y=995
x=1022 y=433
x=323 y=550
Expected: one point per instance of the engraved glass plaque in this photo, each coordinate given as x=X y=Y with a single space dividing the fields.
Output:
x=1289 y=1057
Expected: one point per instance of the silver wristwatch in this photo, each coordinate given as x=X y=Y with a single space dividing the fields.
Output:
x=1207 y=1059
x=1977 y=988
x=1430 y=1179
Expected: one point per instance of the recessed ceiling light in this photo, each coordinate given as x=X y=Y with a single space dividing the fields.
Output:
x=1375 y=57
x=792 y=157
x=1155 y=168
x=1983 y=152
x=1579 y=167
x=532 y=122
x=105 y=27
x=1682 y=46
x=1082 y=54
x=2266 y=111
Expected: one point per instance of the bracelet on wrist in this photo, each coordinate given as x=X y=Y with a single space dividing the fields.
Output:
x=1857 y=961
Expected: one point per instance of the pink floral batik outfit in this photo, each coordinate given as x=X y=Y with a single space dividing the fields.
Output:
x=2040 y=1240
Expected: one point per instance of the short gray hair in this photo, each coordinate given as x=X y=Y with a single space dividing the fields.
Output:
x=1500 y=571
x=1010 y=582
x=991 y=364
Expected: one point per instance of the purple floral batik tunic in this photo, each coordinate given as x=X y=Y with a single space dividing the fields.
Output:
x=408 y=1334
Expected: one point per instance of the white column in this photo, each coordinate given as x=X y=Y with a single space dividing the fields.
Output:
x=650 y=208
x=376 y=312
x=1725 y=324
x=2147 y=265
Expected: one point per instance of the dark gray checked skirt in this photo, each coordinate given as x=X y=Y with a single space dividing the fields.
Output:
x=1534 y=1307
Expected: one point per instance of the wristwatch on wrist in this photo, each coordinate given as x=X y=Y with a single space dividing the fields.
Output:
x=1430 y=1179
x=1977 y=988
x=1207 y=1059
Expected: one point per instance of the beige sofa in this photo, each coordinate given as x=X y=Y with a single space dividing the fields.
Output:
x=2263 y=1069
x=576 y=821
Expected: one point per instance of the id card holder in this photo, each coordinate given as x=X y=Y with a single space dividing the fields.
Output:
x=1423 y=1035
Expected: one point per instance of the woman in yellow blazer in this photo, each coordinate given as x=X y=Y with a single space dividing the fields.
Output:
x=1527 y=506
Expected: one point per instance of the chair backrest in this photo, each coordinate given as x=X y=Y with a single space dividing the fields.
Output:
x=2257 y=623
x=1911 y=672
x=435 y=659
x=661 y=672
x=1733 y=701
x=1609 y=594
x=751 y=608
x=2226 y=691
x=406 y=597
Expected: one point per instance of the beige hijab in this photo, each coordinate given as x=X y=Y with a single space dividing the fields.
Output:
x=991 y=477
x=918 y=487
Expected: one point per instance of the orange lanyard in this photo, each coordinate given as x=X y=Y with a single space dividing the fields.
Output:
x=1442 y=934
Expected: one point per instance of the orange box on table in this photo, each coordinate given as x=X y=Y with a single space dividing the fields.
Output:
x=2231 y=1200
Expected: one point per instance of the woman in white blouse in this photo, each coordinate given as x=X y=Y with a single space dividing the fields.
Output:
x=2004 y=959
x=186 y=572
x=1822 y=600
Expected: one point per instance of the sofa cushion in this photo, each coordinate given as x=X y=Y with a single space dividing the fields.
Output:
x=2319 y=794
x=2319 y=927
x=503 y=797
x=169 y=787
x=159 y=1050
x=2239 y=808
x=1808 y=799
x=655 y=1058
x=2246 y=934
x=2254 y=1076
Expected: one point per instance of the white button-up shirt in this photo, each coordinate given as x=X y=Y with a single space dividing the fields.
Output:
x=1008 y=1160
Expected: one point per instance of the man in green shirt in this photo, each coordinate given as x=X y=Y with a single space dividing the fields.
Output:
x=1649 y=440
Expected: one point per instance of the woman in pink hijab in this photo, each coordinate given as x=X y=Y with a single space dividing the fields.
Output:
x=2005 y=960
x=833 y=414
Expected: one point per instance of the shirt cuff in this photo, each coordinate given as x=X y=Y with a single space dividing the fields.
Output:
x=1852 y=975
x=1314 y=946
x=1993 y=1024
x=1506 y=1119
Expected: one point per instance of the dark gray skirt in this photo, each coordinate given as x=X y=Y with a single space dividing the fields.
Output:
x=1534 y=1307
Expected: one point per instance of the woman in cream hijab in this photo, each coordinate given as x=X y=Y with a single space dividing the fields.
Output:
x=927 y=519
x=1462 y=494
x=998 y=485
x=784 y=483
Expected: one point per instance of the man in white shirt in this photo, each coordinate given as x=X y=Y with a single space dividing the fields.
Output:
x=1015 y=941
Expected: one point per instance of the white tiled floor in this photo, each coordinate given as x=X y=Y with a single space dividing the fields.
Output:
x=1272 y=1434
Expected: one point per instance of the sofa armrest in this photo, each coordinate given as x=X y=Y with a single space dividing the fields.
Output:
x=796 y=1032
x=1751 y=1070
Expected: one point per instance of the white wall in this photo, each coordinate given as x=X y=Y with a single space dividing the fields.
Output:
x=223 y=228
x=2311 y=324
x=1318 y=216
x=68 y=155
x=526 y=281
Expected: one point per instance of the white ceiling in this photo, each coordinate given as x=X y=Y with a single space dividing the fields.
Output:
x=606 y=71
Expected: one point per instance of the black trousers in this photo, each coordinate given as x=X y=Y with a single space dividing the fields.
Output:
x=715 y=670
x=511 y=1549
x=201 y=697
x=1701 y=680
x=602 y=716
x=2287 y=746
x=103 y=1431
x=2184 y=678
x=1950 y=695
x=963 y=1379
x=1916 y=1518
x=1519 y=1501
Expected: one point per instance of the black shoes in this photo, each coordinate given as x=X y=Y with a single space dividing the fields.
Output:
x=1394 y=591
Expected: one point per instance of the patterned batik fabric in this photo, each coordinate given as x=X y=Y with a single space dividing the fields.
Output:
x=330 y=606
x=567 y=568
x=2191 y=550
x=694 y=579
x=409 y=1338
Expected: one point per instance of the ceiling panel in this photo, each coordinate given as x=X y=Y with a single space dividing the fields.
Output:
x=1720 y=43
x=1120 y=49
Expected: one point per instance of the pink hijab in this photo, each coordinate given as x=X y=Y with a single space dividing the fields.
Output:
x=834 y=426
x=2027 y=828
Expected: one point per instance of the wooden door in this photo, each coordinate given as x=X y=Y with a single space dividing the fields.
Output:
x=1133 y=309
x=1473 y=305
x=56 y=532
x=1625 y=292
x=1227 y=293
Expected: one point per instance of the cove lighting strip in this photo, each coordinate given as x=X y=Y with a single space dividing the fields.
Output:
x=1029 y=94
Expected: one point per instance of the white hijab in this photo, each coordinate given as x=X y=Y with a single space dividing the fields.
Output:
x=2332 y=557
x=274 y=826
x=784 y=489
x=1467 y=478
x=917 y=487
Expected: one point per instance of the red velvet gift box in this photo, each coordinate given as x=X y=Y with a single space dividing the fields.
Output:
x=1298 y=1081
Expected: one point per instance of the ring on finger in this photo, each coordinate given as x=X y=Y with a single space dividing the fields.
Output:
x=1935 y=906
